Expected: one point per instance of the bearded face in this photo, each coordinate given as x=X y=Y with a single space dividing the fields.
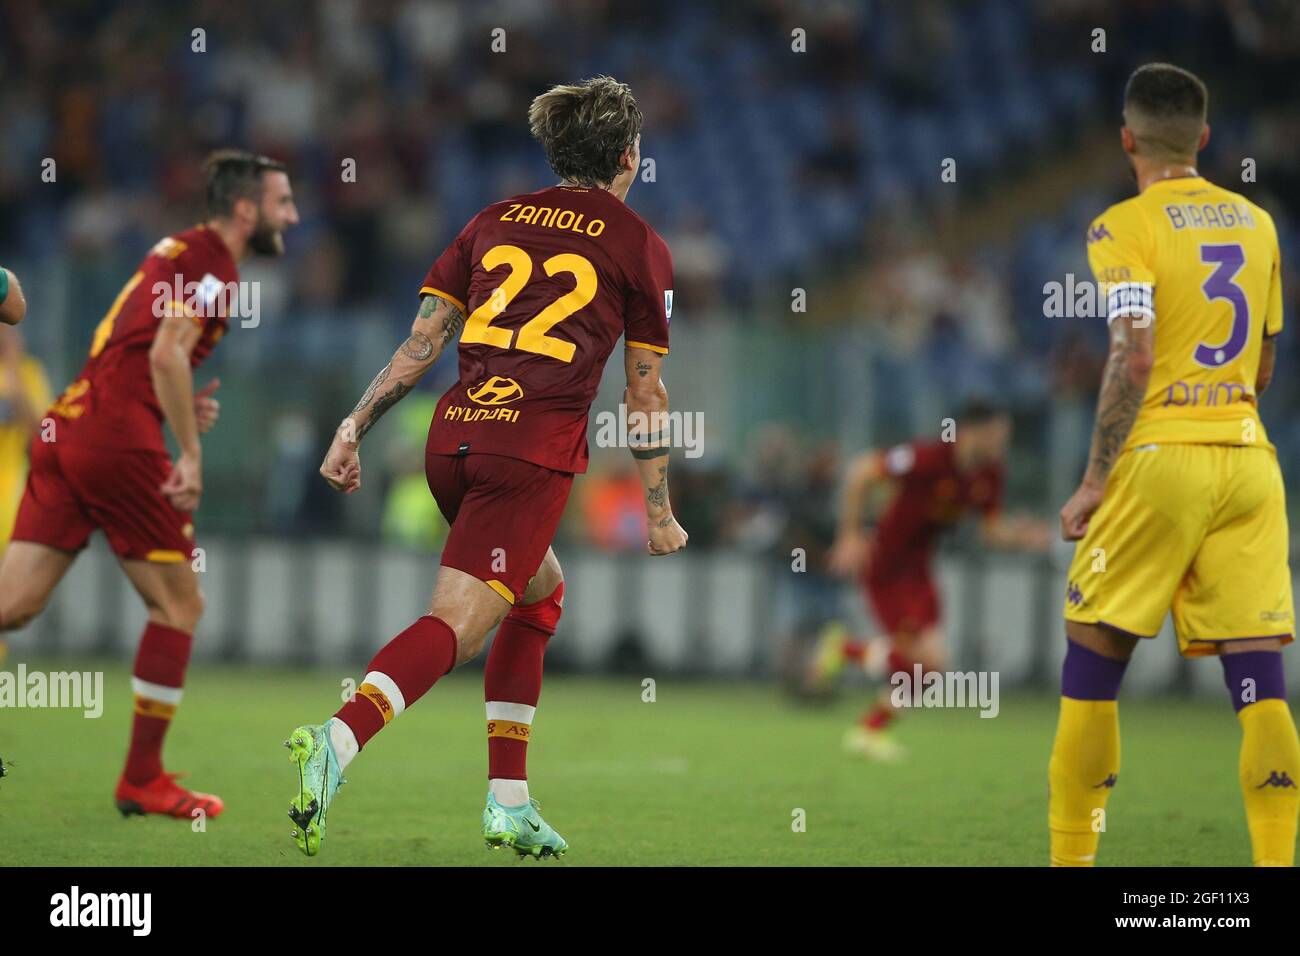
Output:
x=266 y=240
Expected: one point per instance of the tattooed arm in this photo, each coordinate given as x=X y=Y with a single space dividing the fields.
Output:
x=649 y=439
x=1123 y=388
x=437 y=323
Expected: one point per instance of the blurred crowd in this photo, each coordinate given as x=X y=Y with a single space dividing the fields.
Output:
x=773 y=169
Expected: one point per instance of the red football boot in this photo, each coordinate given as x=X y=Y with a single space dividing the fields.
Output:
x=162 y=795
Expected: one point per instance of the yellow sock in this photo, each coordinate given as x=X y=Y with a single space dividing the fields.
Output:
x=1270 y=775
x=1083 y=770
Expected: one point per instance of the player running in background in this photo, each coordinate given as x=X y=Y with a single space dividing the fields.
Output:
x=928 y=487
x=544 y=285
x=1182 y=505
x=12 y=304
x=103 y=463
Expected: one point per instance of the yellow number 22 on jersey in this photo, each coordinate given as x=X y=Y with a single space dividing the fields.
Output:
x=532 y=336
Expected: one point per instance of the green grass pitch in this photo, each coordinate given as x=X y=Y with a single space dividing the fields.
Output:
x=708 y=774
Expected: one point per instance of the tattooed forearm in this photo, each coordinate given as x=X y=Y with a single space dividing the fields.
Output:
x=418 y=347
x=369 y=393
x=643 y=368
x=452 y=323
x=1123 y=388
x=382 y=404
x=657 y=497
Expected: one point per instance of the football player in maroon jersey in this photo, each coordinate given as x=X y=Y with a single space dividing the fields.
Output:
x=540 y=287
x=99 y=461
x=931 y=485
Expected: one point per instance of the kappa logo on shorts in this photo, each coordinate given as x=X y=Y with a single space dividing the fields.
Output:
x=498 y=390
x=1281 y=780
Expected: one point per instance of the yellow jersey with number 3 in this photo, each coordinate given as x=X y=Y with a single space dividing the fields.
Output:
x=1202 y=264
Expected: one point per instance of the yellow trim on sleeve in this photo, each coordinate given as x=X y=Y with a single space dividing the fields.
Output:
x=430 y=290
x=501 y=589
x=646 y=345
x=174 y=308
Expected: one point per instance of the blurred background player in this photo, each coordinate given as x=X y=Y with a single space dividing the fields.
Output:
x=550 y=281
x=104 y=464
x=1182 y=505
x=926 y=488
x=12 y=304
x=24 y=395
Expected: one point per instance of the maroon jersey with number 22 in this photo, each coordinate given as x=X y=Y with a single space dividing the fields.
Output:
x=548 y=282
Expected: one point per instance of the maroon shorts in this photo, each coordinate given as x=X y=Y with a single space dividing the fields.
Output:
x=503 y=514
x=906 y=601
x=73 y=489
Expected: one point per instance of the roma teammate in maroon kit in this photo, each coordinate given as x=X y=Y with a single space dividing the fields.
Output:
x=932 y=485
x=100 y=461
x=543 y=285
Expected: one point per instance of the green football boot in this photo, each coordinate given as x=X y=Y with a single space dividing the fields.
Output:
x=522 y=829
x=319 y=778
x=829 y=659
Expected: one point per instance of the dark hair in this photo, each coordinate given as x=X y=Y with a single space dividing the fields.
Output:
x=585 y=128
x=1165 y=107
x=978 y=410
x=235 y=174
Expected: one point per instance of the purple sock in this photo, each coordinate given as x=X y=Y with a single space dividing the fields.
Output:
x=1089 y=676
x=1262 y=667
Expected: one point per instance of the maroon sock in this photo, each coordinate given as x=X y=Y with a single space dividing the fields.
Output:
x=399 y=675
x=156 y=682
x=512 y=683
x=881 y=715
x=878 y=717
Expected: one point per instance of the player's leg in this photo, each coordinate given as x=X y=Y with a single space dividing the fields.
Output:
x=49 y=530
x=1240 y=584
x=1269 y=765
x=1121 y=584
x=462 y=613
x=873 y=735
x=907 y=606
x=29 y=573
x=1085 y=753
x=512 y=681
x=487 y=546
x=171 y=595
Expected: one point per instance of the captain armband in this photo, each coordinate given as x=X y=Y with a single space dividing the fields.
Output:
x=1130 y=298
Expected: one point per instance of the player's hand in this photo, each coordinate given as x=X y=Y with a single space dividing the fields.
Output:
x=1027 y=533
x=666 y=536
x=342 y=464
x=1078 y=511
x=207 y=408
x=850 y=554
x=184 y=486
